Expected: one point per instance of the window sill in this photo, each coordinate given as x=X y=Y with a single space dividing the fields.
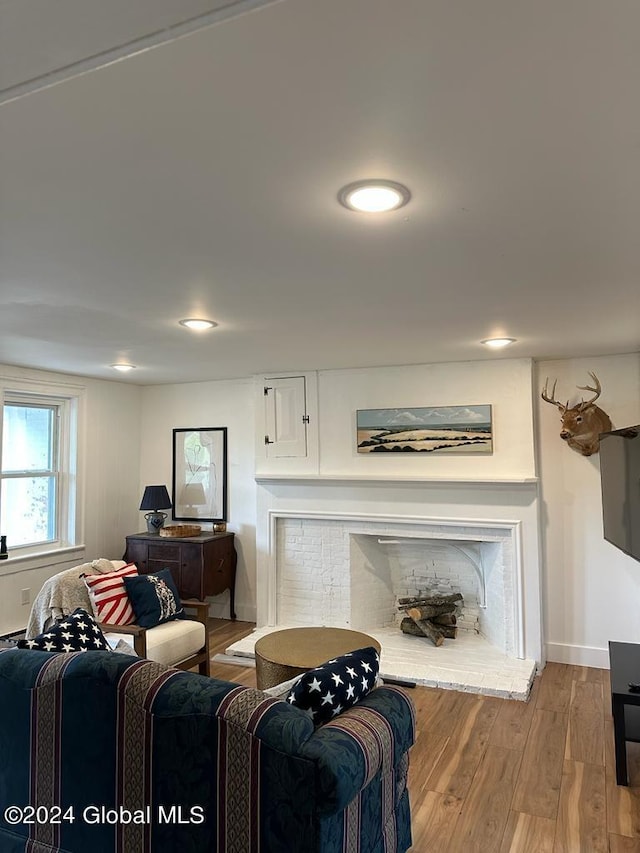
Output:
x=43 y=559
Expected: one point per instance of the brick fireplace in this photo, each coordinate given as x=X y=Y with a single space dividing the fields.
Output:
x=337 y=551
x=349 y=572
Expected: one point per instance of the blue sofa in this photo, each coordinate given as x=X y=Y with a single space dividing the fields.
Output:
x=124 y=755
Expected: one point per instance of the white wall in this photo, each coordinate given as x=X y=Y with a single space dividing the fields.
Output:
x=230 y=404
x=109 y=443
x=505 y=384
x=591 y=589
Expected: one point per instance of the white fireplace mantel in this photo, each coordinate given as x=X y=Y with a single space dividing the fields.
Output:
x=509 y=507
x=394 y=478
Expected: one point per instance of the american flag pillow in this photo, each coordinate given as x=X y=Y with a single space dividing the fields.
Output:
x=77 y=632
x=336 y=685
x=108 y=595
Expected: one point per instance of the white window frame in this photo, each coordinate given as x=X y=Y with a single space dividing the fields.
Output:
x=70 y=402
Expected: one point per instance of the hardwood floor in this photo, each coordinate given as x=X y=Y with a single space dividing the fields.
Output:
x=490 y=774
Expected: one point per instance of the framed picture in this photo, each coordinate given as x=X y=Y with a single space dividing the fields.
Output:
x=200 y=474
x=430 y=429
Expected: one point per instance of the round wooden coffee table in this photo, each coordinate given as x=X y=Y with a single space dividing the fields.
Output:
x=283 y=654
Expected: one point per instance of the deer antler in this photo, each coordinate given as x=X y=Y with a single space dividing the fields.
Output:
x=596 y=390
x=551 y=399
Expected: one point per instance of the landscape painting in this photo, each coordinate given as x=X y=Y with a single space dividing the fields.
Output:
x=430 y=429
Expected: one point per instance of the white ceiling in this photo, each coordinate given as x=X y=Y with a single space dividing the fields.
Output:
x=199 y=178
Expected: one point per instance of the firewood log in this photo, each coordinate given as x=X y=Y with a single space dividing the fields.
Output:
x=434 y=600
x=408 y=626
x=428 y=611
x=428 y=628
x=445 y=619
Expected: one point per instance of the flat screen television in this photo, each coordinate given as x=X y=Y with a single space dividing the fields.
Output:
x=620 y=478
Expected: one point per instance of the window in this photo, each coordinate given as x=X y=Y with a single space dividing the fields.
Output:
x=37 y=482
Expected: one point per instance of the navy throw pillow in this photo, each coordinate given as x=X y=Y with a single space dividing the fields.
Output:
x=336 y=685
x=154 y=598
x=78 y=632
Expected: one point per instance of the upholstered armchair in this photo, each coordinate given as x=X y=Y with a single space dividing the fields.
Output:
x=182 y=643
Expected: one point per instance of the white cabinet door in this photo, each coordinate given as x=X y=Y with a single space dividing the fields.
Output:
x=285 y=417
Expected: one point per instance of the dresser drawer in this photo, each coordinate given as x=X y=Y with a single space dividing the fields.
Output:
x=155 y=566
x=169 y=552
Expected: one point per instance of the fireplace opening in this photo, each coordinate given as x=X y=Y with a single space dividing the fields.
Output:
x=386 y=569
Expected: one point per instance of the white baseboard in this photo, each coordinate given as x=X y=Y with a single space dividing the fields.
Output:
x=578 y=655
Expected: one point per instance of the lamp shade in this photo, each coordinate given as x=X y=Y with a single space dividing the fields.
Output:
x=155 y=497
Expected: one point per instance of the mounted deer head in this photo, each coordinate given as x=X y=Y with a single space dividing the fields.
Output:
x=582 y=423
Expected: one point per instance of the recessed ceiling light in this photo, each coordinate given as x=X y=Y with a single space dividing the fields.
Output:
x=195 y=323
x=498 y=343
x=374 y=196
x=123 y=368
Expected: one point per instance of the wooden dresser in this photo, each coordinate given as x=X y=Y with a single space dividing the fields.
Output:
x=201 y=565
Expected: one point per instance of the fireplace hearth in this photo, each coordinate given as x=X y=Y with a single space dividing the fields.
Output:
x=469 y=664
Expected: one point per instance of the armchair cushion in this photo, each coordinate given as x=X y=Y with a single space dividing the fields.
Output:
x=77 y=632
x=170 y=642
x=154 y=598
x=109 y=600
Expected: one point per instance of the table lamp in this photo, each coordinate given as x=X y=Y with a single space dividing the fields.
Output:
x=155 y=498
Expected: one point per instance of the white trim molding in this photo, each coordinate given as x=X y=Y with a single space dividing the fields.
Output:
x=578 y=655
